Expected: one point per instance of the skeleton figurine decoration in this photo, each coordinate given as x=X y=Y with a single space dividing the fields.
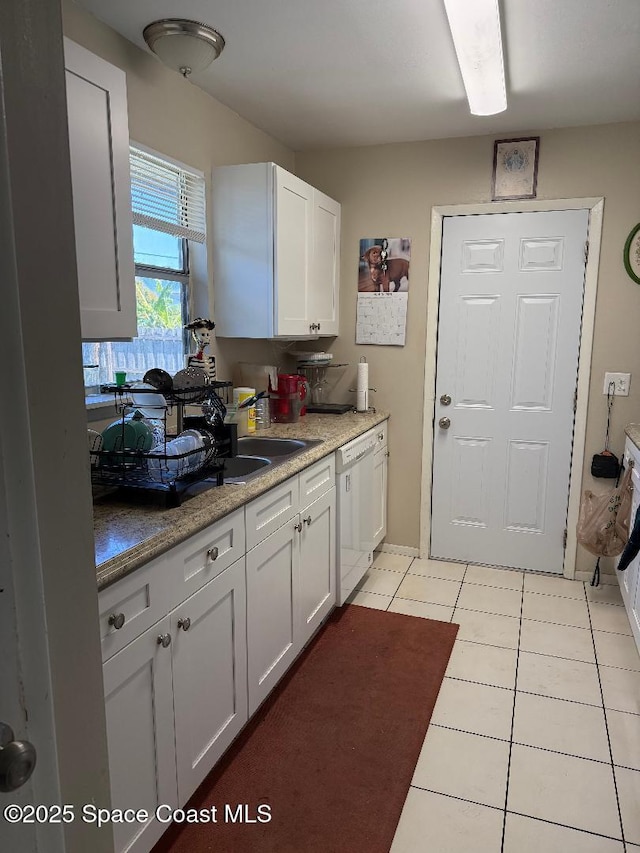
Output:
x=201 y=332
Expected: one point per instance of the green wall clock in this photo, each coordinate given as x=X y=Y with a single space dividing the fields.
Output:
x=632 y=254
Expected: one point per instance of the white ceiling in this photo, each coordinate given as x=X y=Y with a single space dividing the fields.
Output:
x=327 y=73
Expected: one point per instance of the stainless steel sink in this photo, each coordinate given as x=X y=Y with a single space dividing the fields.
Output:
x=259 y=454
x=264 y=446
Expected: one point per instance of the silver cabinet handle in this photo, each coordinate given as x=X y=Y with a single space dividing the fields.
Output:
x=444 y=423
x=297 y=528
x=380 y=436
x=185 y=623
x=307 y=520
x=164 y=640
x=117 y=620
x=388 y=454
x=17 y=760
x=445 y=400
x=318 y=326
x=212 y=553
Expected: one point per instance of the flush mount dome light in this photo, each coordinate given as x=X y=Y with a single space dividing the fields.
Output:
x=185 y=46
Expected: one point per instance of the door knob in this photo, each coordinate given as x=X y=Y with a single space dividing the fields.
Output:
x=185 y=623
x=164 y=640
x=444 y=423
x=17 y=760
x=445 y=400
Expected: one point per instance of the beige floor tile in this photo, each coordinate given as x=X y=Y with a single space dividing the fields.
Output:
x=438 y=569
x=549 y=585
x=558 y=640
x=562 y=789
x=463 y=765
x=561 y=726
x=433 y=823
x=616 y=650
x=490 y=599
x=554 y=608
x=474 y=708
x=487 y=628
x=486 y=664
x=370 y=599
x=526 y=835
x=420 y=608
x=559 y=678
x=624 y=734
x=606 y=593
x=391 y=562
x=431 y=590
x=380 y=581
x=489 y=576
x=605 y=617
x=621 y=689
x=628 y=782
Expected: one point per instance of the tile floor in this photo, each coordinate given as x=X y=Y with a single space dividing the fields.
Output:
x=534 y=743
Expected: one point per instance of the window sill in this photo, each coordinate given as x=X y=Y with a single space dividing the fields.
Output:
x=100 y=401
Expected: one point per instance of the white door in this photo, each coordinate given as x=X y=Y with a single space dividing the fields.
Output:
x=209 y=674
x=317 y=563
x=325 y=268
x=292 y=239
x=508 y=341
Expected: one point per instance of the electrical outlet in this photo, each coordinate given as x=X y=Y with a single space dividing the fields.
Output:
x=621 y=382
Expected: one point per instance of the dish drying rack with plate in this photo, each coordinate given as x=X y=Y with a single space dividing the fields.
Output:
x=159 y=470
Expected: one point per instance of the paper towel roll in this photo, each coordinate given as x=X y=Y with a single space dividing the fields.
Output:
x=362 y=388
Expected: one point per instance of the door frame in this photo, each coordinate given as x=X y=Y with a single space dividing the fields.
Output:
x=595 y=206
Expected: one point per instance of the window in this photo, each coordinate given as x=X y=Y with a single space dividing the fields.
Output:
x=168 y=213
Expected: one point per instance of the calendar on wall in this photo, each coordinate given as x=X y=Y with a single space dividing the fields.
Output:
x=383 y=290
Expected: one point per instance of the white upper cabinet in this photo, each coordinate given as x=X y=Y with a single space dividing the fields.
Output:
x=99 y=149
x=276 y=247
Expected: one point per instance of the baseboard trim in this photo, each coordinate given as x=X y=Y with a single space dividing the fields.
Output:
x=401 y=550
x=612 y=580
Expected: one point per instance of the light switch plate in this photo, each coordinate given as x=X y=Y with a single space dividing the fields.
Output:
x=621 y=381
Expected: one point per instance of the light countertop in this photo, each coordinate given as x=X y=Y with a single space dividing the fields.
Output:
x=129 y=535
x=633 y=431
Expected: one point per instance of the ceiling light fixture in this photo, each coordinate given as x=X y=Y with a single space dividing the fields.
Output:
x=475 y=29
x=185 y=46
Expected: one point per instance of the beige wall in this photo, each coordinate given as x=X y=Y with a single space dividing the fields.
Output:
x=176 y=118
x=391 y=189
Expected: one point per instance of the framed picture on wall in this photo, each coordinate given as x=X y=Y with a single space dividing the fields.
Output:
x=515 y=168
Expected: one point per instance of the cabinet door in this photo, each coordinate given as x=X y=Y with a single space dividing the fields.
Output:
x=380 y=464
x=142 y=758
x=317 y=563
x=272 y=598
x=209 y=674
x=324 y=279
x=293 y=224
x=99 y=150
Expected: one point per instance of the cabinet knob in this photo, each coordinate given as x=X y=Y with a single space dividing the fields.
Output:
x=445 y=400
x=380 y=436
x=212 y=553
x=17 y=760
x=164 y=640
x=318 y=327
x=388 y=454
x=444 y=423
x=307 y=520
x=185 y=623
x=297 y=528
x=117 y=620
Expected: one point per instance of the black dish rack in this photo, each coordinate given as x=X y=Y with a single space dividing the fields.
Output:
x=170 y=475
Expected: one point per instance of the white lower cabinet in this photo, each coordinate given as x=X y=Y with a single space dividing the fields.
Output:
x=209 y=632
x=140 y=730
x=273 y=569
x=178 y=693
x=380 y=470
x=317 y=564
x=629 y=579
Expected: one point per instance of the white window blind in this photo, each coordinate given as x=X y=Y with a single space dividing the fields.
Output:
x=167 y=197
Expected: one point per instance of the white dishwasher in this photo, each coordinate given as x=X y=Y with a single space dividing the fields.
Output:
x=354 y=469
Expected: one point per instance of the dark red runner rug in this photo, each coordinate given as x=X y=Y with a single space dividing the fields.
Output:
x=333 y=749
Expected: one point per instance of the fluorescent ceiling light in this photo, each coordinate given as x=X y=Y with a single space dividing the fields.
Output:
x=475 y=28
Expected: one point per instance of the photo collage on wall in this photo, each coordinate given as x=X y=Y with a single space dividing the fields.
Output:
x=383 y=290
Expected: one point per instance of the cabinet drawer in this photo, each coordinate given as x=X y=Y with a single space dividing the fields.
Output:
x=135 y=603
x=317 y=479
x=203 y=556
x=381 y=435
x=270 y=511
